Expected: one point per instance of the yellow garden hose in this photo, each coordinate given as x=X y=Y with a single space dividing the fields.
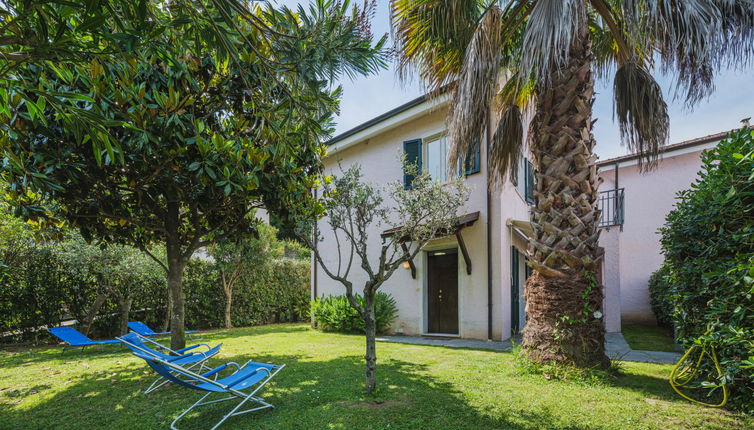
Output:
x=680 y=377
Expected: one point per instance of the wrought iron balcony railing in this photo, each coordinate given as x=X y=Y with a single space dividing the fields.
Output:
x=610 y=204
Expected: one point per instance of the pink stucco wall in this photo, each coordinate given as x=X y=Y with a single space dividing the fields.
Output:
x=632 y=253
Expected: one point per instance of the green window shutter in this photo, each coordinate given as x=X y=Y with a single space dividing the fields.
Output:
x=473 y=158
x=413 y=150
x=529 y=184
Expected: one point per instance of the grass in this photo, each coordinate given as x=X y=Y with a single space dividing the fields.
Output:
x=421 y=387
x=648 y=337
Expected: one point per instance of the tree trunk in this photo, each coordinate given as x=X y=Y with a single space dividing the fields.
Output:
x=176 y=264
x=175 y=286
x=370 y=329
x=92 y=312
x=228 y=305
x=166 y=321
x=124 y=303
x=563 y=299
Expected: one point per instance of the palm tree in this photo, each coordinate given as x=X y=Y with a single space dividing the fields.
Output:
x=549 y=52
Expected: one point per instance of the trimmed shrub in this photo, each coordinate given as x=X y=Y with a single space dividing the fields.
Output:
x=708 y=242
x=661 y=296
x=335 y=313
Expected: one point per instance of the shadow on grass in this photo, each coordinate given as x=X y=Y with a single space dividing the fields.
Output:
x=645 y=384
x=12 y=355
x=308 y=395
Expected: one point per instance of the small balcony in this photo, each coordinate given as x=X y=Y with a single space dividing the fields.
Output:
x=610 y=204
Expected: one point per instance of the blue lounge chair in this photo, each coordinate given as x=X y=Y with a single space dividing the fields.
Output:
x=144 y=330
x=251 y=376
x=138 y=345
x=74 y=338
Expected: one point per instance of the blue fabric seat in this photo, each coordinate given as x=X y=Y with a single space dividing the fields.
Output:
x=145 y=330
x=74 y=338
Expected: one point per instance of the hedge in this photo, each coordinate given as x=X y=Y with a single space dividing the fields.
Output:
x=42 y=285
x=274 y=292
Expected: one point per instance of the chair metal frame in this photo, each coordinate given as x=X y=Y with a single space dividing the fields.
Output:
x=193 y=377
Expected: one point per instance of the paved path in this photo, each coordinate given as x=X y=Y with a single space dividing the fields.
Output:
x=615 y=346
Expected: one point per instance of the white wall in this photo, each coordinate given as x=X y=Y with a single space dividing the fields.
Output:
x=633 y=253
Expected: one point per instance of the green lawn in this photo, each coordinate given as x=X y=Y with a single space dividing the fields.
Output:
x=648 y=337
x=421 y=388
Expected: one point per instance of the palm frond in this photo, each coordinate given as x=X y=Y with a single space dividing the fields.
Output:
x=431 y=37
x=516 y=92
x=641 y=112
x=475 y=87
x=506 y=146
x=550 y=30
x=694 y=38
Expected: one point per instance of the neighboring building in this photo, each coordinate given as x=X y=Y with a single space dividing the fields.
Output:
x=634 y=206
x=471 y=284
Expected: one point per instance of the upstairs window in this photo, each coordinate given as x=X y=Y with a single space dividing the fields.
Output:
x=431 y=154
x=436 y=157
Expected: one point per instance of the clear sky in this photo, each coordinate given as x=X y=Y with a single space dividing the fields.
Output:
x=732 y=101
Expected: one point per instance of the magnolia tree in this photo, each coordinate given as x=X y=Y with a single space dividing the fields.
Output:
x=202 y=142
x=354 y=209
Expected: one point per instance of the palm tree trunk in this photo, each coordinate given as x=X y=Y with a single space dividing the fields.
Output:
x=563 y=298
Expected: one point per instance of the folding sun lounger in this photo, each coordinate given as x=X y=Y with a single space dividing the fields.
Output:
x=144 y=330
x=189 y=360
x=75 y=338
x=251 y=376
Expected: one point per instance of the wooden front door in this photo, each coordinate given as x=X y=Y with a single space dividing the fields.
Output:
x=442 y=291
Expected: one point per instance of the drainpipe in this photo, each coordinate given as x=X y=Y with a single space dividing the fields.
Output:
x=314 y=263
x=489 y=231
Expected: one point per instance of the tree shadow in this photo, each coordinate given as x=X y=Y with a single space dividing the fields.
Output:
x=308 y=394
x=13 y=355
x=645 y=384
x=54 y=354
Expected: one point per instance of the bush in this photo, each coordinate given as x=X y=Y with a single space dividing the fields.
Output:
x=336 y=313
x=661 y=296
x=708 y=243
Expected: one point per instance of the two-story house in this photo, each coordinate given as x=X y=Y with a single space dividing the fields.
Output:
x=470 y=284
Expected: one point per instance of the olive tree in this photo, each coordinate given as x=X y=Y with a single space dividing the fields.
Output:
x=355 y=209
